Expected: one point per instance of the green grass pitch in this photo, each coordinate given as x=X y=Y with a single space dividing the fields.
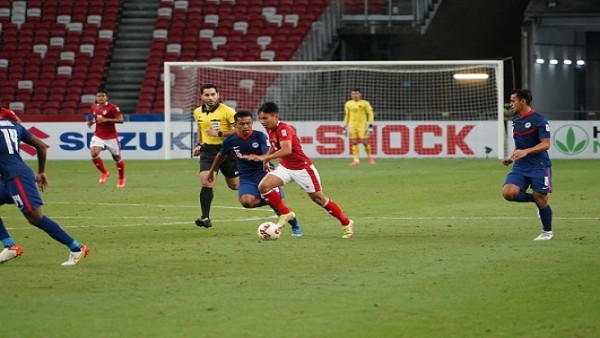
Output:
x=437 y=253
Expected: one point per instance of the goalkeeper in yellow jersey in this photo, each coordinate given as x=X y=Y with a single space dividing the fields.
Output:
x=358 y=125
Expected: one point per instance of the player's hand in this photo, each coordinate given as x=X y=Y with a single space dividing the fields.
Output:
x=507 y=161
x=345 y=130
x=210 y=177
x=42 y=181
x=370 y=130
x=198 y=149
x=90 y=123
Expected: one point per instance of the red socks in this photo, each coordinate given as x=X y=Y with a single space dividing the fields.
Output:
x=275 y=201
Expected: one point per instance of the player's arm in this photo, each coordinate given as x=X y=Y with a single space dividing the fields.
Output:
x=117 y=119
x=284 y=150
x=370 y=118
x=346 y=119
x=40 y=147
x=538 y=148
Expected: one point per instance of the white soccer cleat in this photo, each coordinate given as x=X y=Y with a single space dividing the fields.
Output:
x=9 y=253
x=75 y=257
x=348 y=230
x=544 y=236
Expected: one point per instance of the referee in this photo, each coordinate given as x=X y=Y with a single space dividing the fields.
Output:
x=215 y=122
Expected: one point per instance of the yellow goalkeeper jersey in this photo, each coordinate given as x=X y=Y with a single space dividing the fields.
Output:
x=219 y=118
x=358 y=113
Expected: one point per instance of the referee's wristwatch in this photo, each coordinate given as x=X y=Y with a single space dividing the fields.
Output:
x=220 y=133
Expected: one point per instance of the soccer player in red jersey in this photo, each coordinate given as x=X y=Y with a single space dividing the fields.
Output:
x=105 y=115
x=295 y=166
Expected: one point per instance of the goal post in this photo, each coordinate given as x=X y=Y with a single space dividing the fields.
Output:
x=440 y=92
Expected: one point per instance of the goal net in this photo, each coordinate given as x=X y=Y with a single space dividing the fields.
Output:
x=315 y=92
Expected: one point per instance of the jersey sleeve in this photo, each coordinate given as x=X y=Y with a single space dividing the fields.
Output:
x=227 y=145
x=543 y=129
x=346 y=114
x=370 y=115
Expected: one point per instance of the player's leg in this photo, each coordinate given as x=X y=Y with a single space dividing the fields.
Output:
x=206 y=191
x=310 y=180
x=114 y=147
x=249 y=196
x=229 y=169
x=267 y=188
x=10 y=250
x=515 y=188
x=96 y=146
x=542 y=187
x=353 y=134
x=363 y=138
x=28 y=200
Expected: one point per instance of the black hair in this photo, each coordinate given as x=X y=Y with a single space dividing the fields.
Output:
x=101 y=90
x=241 y=114
x=523 y=94
x=269 y=108
x=208 y=86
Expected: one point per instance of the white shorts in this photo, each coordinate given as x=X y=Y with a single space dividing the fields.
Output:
x=113 y=145
x=308 y=179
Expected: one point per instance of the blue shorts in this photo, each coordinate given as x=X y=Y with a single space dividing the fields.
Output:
x=249 y=186
x=540 y=180
x=21 y=191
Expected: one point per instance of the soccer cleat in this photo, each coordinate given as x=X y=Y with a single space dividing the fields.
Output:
x=103 y=177
x=9 y=253
x=371 y=160
x=75 y=257
x=355 y=163
x=284 y=218
x=121 y=182
x=204 y=222
x=544 y=236
x=297 y=232
x=348 y=230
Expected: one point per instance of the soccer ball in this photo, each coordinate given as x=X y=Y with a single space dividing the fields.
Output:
x=268 y=231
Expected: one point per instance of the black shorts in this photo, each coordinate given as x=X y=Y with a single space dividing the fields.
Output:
x=207 y=156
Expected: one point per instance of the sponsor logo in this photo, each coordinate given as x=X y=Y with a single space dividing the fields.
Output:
x=571 y=139
x=37 y=133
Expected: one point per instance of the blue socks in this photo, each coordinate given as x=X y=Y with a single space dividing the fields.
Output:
x=546 y=217
x=7 y=242
x=524 y=197
x=55 y=231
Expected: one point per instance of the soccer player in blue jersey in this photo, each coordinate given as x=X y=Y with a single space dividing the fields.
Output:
x=532 y=166
x=18 y=186
x=247 y=141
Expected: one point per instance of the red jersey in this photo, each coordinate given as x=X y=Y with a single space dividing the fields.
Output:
x=8 y=114
x=297 y=159
x=106 y=130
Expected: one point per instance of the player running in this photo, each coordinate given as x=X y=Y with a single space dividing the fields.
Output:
x=105 y=115
x=532 y=165
x=244 y=142
x=295 y=166
x=18 y=186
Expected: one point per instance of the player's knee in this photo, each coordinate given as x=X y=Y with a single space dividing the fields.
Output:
x=509 y=195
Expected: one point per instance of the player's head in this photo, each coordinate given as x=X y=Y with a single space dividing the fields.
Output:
x=355 y=94
x=209 y=94
x=520 y=100
x=101 y=96
x=243 y=122
x=268 y=114
x=523 y=94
